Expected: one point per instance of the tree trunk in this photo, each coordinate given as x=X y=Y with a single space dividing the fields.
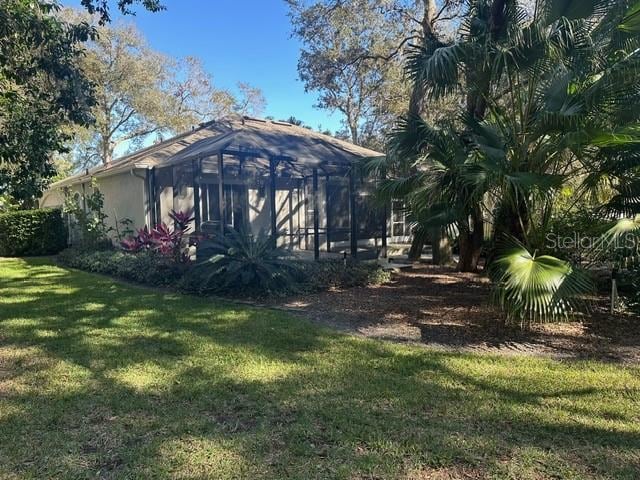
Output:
x=513 y=221
x=420 y=237
x=441 y=251
x=417 y=244
x=509 y=223
x=416 y=101
x=106 y=150
x=353 y=130
x=476 y=104
x=470 y=243
x=441 y=247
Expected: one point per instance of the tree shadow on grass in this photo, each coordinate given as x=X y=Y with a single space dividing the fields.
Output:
x=190 y=388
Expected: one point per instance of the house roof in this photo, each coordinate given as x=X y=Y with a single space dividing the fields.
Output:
x=256 y=137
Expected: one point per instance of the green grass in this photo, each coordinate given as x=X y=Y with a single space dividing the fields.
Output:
x=101 y=379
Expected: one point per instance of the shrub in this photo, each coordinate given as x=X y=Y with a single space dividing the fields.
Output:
x=89 y=227
x=629 y=287
x=144 y=267
x=334 y=273
x=572 y=235
x=32 y=232
x=239 y=266
x=8 y=203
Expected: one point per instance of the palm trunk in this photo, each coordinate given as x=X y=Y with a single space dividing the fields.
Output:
x=442 y=252
x=420 y=238
x=479 y=86
x=471 y=243
x=417 y=245
x=440 y=244
x=511 y=221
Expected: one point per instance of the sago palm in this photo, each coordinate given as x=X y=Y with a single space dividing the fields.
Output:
x=241 y=261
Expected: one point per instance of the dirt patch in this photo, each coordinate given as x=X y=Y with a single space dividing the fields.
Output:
x=444 y=473
x=445 y=309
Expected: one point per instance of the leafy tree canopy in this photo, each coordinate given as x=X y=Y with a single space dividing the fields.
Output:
x=42 y=89
x=101 y=7
x=353 y=54
x=141 y=93
x=347 y=57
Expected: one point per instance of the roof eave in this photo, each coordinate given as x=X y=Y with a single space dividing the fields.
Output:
x=82 y=178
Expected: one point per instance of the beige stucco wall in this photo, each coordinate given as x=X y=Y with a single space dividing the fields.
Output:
x=165 y=195
x=182 y=200
x=259 y=216
x=54 y=197
x=124 y=197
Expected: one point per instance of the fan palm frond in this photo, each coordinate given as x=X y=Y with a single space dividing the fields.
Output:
x=436 y=67
x=631 y=21
x=374 y=166
x=531 y=288
x=624 y=226
x=400 y=187
x=553 y=10
x=625 y=202
x=620 y=243
x=618 y=137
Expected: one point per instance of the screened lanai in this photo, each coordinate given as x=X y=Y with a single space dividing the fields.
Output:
x=259 y=175
x=252 y=175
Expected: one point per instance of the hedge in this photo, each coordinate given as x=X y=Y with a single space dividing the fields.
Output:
x=144 y=267
x=325 y=274
x=32 y=232
x=150 y=268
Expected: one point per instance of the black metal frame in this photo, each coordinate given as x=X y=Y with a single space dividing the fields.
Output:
x=273 y=163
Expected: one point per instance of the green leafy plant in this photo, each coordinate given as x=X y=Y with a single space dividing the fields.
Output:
x=164 y=239
x=335 y=273
x=124 y=228
x=629 y=288
x=89 y=224
x=146 y=267
x=241 y=262
x=7 y=203
x=575 y=235
x=32 y=232
x=533 y=288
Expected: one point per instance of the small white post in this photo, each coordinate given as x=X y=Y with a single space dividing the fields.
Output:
x=614 y=295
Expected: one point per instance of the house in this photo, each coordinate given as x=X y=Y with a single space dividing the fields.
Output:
x=247 y=173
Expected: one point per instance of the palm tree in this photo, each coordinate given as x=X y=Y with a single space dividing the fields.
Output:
x=551 y=99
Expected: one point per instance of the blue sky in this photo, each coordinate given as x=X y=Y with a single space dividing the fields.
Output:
x=238 y=40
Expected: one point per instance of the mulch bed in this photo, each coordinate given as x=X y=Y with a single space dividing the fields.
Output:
x=449 y=310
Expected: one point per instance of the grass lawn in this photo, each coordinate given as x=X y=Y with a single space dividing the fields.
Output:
x=101 y=379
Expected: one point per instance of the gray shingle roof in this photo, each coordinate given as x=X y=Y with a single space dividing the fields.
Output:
x=261 y=138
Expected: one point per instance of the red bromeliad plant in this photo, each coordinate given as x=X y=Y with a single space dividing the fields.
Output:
x=163 y=239
x=141 y=241
x=167 y=241
x=182 y=219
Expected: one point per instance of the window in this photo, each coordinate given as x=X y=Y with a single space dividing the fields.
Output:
x=400 y=227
